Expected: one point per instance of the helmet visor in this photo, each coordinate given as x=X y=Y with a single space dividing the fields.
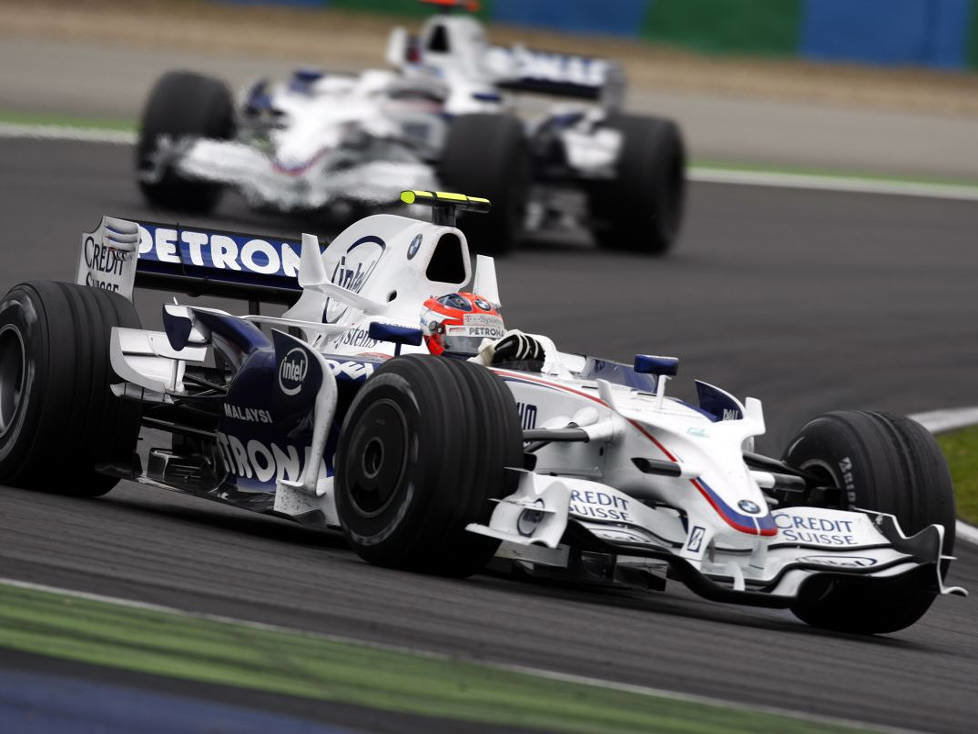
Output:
x=467 y=337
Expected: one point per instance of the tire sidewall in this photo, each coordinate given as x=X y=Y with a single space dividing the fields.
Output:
x=19 y=315
x=370 y=531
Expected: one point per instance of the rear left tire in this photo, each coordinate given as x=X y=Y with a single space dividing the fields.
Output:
x=641 y=209
x=58 y=417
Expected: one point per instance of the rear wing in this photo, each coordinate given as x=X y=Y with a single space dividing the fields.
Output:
x=521 y=69
x=121 y=254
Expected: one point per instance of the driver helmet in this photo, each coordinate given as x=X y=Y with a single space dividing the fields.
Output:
x=457 y=323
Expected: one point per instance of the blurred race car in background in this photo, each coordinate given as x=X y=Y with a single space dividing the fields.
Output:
x=560 y=465
x=443 y=119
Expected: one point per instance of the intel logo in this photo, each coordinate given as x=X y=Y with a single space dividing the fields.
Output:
x=751 y=508
x=292 y=371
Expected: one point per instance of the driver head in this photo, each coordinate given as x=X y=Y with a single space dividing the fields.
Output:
x=458 y=322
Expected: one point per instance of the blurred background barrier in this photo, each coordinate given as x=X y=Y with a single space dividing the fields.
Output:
x=937 y=33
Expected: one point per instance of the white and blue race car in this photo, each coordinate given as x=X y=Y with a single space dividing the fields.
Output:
x=335 y=414
x=442 y=117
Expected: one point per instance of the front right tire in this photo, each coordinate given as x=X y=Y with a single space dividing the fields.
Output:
x=886 y=463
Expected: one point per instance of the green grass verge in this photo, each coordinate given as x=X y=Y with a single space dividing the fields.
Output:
x=961 y=450
x=296 y=664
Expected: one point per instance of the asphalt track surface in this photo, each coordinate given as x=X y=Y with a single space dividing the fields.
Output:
x=811 y=301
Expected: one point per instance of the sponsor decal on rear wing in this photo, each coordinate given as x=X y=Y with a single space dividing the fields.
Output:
x=121 y=254
x=564 y=75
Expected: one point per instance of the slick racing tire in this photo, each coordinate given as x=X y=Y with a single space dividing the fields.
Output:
x=641 y=209
x=885 y=463
x=422 y=451
x=183 y=105
x=487 y=155
x=58 y=417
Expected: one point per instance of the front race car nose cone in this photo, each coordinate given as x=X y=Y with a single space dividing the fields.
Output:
x=12 y=371
x=382 y=448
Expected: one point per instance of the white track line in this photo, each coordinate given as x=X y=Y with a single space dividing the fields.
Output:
x=939 y=421
x=705 y=174
x=67 y=132
x=525 y=670
x=850 y=184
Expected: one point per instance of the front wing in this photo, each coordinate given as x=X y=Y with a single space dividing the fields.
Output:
x=541 y=525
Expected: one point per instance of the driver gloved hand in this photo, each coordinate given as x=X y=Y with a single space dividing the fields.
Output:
x=516 y=350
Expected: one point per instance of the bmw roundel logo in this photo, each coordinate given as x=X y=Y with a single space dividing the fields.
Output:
x=529 y=520
x=414 y=246
x=749 y=507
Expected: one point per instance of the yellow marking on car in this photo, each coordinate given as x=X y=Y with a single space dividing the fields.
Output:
x=409 y=197
x=413 y=196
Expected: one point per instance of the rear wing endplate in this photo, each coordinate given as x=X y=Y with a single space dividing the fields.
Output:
x=121 y=254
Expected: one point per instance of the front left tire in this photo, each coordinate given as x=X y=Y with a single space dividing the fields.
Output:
x=182 y=104
x=425 y=447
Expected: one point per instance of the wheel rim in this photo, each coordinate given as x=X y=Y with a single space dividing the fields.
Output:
x=13 y=369
x=373 y=458
x=379 y=458
x=827 y=473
